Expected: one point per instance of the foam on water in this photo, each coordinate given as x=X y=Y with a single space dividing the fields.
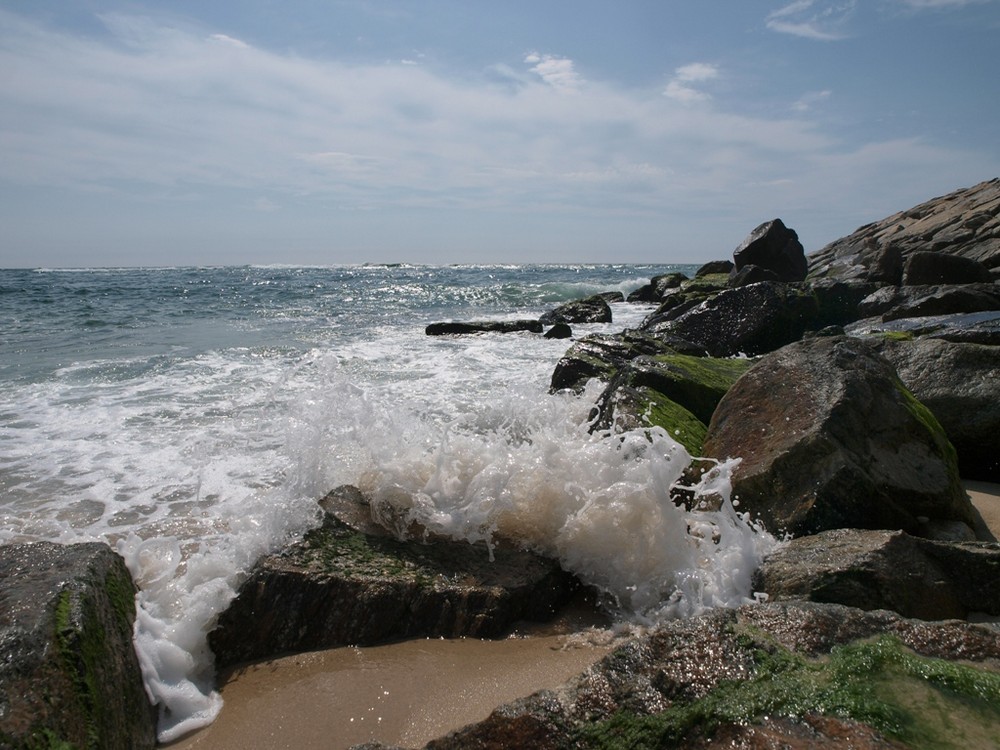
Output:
x=195 y=451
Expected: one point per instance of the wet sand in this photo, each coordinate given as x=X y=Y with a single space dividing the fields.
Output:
x=404 y=693
x=408 y=693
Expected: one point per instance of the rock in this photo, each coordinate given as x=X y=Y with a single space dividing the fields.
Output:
x=673 y=391
x=783 y=670
x=751 y=275
x=559 y=331
x=891 y=303
x=774 y=247
x=600 y=355
x=69 y=676
x=925 y=267
x=748 y=320
x=839 y=301
x=341 y=587
x=960 y=384
x=484 y=326
x=887 y=265
x=715 y=267
x=657 y=288
x=964 y=223
x=830 y=438
x=611 y=297
x=929 y=580
x=969 y=328
x=594 y=309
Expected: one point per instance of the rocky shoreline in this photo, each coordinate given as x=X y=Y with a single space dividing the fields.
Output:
x=858 y=386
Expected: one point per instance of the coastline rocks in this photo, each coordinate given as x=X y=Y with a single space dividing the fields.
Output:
x=773 y=247
x=927 y=267
x=829 y=673
x=341 y=586
x=674 y=391
x=929 y=580
x=600 y=355
x=657 y=288
x=893 y=303
x=960 y=384
x=593 y=309
x=964 y=223
x=830 y=438
x=483 y=326
x=69 y=674
x=747 y=320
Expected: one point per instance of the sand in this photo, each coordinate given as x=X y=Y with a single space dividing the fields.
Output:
x=409 y=693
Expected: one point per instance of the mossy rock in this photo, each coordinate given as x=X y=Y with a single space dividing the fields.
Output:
x=674 y=391
x=70 y=676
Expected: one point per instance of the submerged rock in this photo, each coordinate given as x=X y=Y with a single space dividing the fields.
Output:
x=793 y=670
x=483 y=326
x=830 y=438
x=69 y=676
x=341 y=586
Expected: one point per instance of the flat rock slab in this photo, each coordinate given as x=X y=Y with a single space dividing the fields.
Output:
x=892 y=570
x=484 y=326
x=340 y=586
x=69 y=676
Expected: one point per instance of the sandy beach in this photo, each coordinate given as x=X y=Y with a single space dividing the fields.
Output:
x=409 y=693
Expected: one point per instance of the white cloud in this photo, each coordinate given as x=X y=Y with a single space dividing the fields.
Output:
x=678 y=87
x=808 y=19
x=941 y=4
x=225 y=39
x=265 y=205
x=556 y=71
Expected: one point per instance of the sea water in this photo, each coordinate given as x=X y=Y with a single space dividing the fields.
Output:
x=191 y=418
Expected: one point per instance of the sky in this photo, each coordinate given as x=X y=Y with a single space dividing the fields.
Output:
x=322 y=132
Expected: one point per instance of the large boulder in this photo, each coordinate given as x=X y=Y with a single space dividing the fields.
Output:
x=960 y=384
x=674 y=391
x=965 y=223
x=747 y=320
x=773 y=247
x=927 y=267
x=930 y=580
x=347 y=584
x=829 y=437
x=795 y=675
x=593 y=309
x=69 y=676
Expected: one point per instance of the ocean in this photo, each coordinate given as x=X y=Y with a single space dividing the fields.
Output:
x=192 y=417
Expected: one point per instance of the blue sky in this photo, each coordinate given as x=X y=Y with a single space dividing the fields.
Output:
x=460 y=131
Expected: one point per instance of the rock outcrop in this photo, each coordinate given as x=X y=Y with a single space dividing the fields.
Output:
x=69 y=676
x=830 y=438
x=345 y=585
x=964 y=223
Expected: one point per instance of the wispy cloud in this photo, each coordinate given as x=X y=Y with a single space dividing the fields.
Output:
x=159 y=112
x=810 y=99
x=679 y=87
x=941 y=4
x=808 y=19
